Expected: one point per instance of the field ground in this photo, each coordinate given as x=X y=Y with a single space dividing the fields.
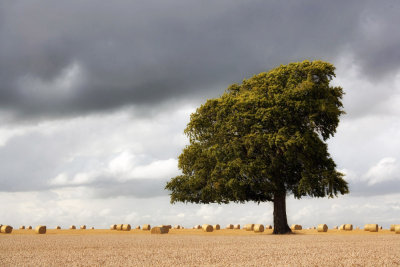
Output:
x=196 y=248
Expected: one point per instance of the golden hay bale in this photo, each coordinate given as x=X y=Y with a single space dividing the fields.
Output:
x=229 y=226
x=249 y=227
x=216 y=226
x=296 y=227
x=322 y=228
x=119 y=227
x=236 y=226
x=348 y=227
x=258 y=228
x=177 y=226
x=268 y=226
x=92 y=228
x=371 y=227
x=207 y=228
x=380 y=227
x=159 y=230
x=113 y=227
x=58 y=227
x=138 y=227
x=197 y=227
x=397 y=229
x=22 y=227
x=40 y=229
x=83 y=227
x=29 y=227
x=146 y=227
x=392 y=226
x=6 y=229
x=126 y=227
x=342 y=227
x=72 y=227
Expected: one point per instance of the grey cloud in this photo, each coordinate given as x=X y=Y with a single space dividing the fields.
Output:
x=144 y=53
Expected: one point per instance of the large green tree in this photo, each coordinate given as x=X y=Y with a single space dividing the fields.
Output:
x=264 y=139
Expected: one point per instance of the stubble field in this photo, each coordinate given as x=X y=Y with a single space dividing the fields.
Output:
x=197 y=248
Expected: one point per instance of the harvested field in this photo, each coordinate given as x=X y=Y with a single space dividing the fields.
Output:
x=197 y=248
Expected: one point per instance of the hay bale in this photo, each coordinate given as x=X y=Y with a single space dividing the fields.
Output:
x=146 y=227
x=29 y=227
x=83 y=227
x=380 y=227
x=249 y=227
x=335 y=227
x=126 y=227
x=322 y=228
x=229 y=226
x=22 y=227
x=197 y=227
x=296 y=227
x=177 y=226
x=392 y=226
x=341 y=227
x=397 y=229
x=258 y=228
x=138 y=227
x=58 y=227
x=207 y=228
x=92 y=228
x=6 y=229
x=236 y=226
x=348 y=227
x=216 y=226
x=159 y=230
x=268 y=226
x=371 y=227
x=113 y=227
x=72 y=227
x=40 y=229
x=119 y=227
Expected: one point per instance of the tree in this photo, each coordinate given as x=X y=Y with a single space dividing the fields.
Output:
x=264 y=139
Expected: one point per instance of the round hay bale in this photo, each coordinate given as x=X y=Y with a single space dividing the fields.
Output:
x=177 y=227
x=371 y=227
x=138 y=227
x=335 y=227
x=258 y=228
x=58 y=227
x=380 y=227
x=92 y=228
x=197 y=227
x=397 y=229
x=126 y=227
x=249 y=227
x=392 y=226
x=22 y=227
x=29 y=227
x=119 y=227
x=236 y=226
x=159 y=230
x=113 y=227
x=296 y=227
x=207 y=228
x=322 y=228
x=342 y=227
x=40 y=229
x=348 y=227
x=216 y=226
x=268 y=226
x=83 y=227
x=6 y=229
x=229 y=226
x=72 y=227
x=146 y=227
x=366 y=227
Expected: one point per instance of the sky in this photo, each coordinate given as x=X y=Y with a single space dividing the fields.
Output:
x=94 y=98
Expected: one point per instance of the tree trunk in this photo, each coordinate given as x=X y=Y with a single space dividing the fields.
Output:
x=280 y=220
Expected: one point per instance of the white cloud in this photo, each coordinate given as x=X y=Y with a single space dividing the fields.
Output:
x=387 y=169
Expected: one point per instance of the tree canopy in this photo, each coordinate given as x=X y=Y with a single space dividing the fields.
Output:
x=262 y=138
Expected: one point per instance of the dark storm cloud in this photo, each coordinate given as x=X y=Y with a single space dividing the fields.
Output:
x=145 y=52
